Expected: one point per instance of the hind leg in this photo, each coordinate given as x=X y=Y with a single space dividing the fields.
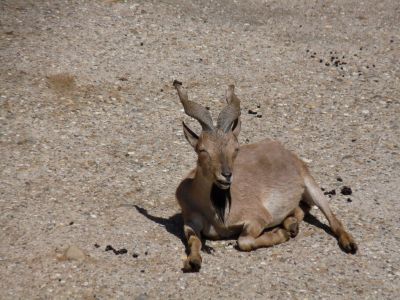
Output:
x=254 y=237
x=314 y=195
x=292 y=222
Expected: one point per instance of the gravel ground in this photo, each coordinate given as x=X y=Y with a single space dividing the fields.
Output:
x=92 y=148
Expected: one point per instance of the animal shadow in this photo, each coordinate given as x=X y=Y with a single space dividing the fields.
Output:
x=310 y=219
x=173 y=225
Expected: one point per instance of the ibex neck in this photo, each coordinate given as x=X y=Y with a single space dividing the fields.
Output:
x=202 y=185
x=214 y=198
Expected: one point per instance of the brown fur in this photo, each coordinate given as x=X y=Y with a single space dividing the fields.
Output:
x=267 y=186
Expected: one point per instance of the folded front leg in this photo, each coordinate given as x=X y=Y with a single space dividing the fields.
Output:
x=192 y=232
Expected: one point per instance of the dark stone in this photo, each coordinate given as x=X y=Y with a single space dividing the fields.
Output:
x=252 y=112
x=346 y=191
x=339 y=179
x=331 y=192
x=109 y=248
x=96 y=245
x=135 y=255
x=71 y=223
x=121 y=251
x=349 y=200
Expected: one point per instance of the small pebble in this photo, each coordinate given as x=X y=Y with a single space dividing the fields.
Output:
x=331 y=192
x=349 y=200
x=339 y=179
x=252 y=112
x=346 y=191
x=121 y=251
x=109 y=247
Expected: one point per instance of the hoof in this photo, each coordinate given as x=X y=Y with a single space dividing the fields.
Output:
x=245 y=243
x=347 y=243
x=192 y=264
x=293 y=229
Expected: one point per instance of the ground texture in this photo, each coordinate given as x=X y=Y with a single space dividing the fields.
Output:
x=92 y=148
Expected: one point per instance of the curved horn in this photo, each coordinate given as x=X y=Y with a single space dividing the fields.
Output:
x=194 y=109
x=231 y=112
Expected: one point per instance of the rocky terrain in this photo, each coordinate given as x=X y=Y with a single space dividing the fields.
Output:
x=92 y=148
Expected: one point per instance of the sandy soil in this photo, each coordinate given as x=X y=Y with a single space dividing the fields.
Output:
x=92 y=148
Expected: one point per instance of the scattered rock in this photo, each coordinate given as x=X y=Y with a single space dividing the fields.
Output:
x=252 y=112
x=74 y=253
x=330 y=193
x=346 y=191
x=339 y=179
x=116 y=252
x=349 y=200
x=121 y=251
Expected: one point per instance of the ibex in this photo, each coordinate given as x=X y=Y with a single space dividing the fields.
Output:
x=257 y=193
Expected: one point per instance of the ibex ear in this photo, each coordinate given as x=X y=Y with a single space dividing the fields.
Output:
x=191 y=137
x=236 y=127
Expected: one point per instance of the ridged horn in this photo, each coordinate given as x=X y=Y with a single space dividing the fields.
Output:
x=231 y=111
x=194 y=109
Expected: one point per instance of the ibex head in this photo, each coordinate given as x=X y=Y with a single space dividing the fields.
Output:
x=216 y=146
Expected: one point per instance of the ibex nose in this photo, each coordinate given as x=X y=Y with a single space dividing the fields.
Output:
x=227 y=175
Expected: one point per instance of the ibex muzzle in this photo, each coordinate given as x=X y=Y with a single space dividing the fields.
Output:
x=258 y=193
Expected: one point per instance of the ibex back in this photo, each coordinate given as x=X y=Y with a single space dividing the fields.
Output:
x=258 y=192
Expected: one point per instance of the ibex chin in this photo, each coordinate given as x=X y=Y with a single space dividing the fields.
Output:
x=257 y=193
